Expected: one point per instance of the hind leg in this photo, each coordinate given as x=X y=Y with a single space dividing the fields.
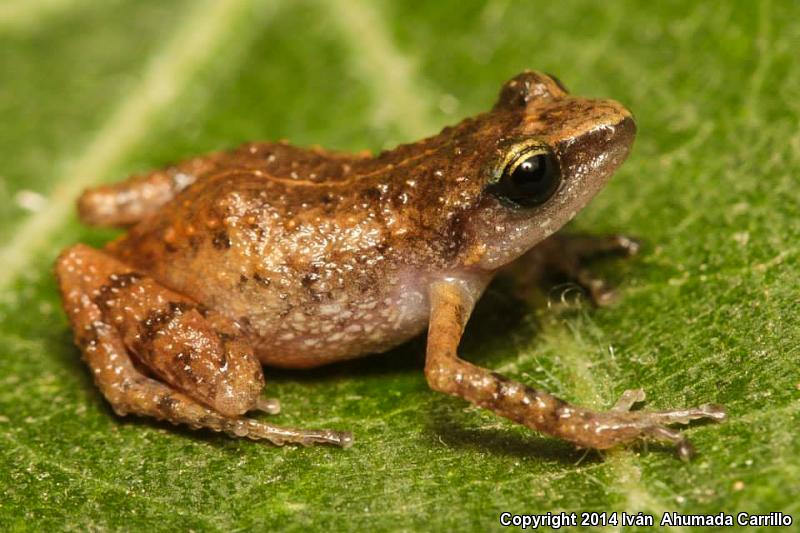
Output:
x=156 y=353
x=128 y=202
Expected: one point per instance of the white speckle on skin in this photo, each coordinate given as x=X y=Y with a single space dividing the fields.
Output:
x=182 y=180
x=330 y=309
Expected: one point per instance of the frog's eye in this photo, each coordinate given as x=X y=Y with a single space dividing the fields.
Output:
x=529 y=179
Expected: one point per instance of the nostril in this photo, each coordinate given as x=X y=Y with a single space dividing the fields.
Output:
x=629 y=125
x=625 y=131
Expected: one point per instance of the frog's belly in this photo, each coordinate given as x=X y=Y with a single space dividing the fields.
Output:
x=318 y=334
x=295 y=324
x=292 y=326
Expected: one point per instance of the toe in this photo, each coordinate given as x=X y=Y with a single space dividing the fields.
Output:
x=271 y=406
x=685 y=450
x=713 y=411
x=628 y=245
x=628 y=399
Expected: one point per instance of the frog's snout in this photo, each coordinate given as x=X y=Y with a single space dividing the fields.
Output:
x=625 y=132
x=611 y=144
x=591 y=157
x=610 y=139
x=614 y=128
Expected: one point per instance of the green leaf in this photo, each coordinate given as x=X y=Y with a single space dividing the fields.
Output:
x=92 y=91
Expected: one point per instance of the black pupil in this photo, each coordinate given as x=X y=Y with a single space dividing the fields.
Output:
x=530 y=175
x=532 y=182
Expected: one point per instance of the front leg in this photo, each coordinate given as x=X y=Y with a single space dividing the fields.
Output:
x=451 y=306
x=567 y=255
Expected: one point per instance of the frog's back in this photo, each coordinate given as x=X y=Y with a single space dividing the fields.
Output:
x=298 y=252
x=272 y=200
x=283 y=204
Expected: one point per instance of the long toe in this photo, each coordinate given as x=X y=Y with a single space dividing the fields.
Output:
x=713 y=412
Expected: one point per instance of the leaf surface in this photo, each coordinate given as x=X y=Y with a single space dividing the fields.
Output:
x=93 y=91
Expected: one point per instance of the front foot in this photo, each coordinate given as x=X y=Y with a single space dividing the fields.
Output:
x=451 y=304
x=621 y=425
x=567 y=255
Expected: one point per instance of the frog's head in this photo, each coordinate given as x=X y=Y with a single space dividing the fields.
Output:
x=551 y=153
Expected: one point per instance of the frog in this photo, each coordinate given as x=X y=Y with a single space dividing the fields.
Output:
x=272 y=255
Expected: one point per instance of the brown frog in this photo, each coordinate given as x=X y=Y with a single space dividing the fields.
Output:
x=289 y=257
